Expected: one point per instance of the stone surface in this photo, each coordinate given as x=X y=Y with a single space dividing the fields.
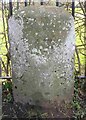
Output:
x=42 y=42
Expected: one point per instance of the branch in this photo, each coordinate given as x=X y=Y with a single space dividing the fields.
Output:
x=78 y=59
x=80 y=45
x=82 y=7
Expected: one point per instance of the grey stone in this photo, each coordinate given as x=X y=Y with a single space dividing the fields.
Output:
x=42 y=48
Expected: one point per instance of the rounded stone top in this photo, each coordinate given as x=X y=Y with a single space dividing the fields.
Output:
x=43 y=23
x=44 y=8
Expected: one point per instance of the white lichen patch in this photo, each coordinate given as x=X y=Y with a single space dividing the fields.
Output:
x=31 y=19
x=34 y=50
x=22 y=12
x=60 y=32
x=36 y=33
x=40 y=47
x=49 y=47
x=53 y=31
x=49 y=15
x=32 y=11
x=46 y=38
x=38 y=60
x=63 y=28
x=31 y=23
x=54 y=16
x=42 y=24
x=59 y=40
x=46 y=49
x=54 y=25
x=39 y=52
x=59 y=21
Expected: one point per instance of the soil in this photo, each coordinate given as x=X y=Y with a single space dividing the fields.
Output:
x=18 y=110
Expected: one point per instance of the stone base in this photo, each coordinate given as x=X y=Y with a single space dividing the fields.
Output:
x=18 y=110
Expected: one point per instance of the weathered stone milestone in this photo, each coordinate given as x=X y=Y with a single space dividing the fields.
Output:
x=42 y=42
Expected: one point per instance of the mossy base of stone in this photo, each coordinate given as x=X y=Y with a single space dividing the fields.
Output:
x=18 y=110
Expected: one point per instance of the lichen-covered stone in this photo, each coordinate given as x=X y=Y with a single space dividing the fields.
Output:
x=42 y=42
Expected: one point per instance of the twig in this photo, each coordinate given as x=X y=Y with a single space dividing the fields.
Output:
x=80 y=45
x=78 y=59
x=4 y=24
x=82 y=7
